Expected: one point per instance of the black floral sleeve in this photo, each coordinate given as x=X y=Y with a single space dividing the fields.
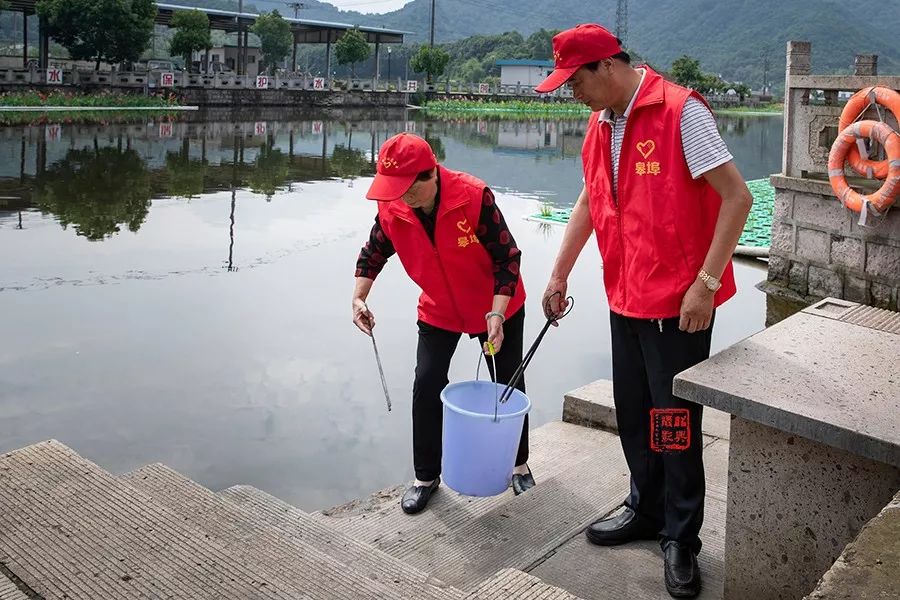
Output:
x=498 y=241
x=375 y=253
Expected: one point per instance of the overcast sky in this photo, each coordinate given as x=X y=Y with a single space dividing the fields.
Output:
x=369 y=6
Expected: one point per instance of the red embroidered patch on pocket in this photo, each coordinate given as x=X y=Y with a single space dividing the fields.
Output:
x=670 y=429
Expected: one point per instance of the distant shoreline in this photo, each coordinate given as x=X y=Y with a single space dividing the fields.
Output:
x=535 y=108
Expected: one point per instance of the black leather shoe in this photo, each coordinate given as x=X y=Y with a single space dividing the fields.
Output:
x=522 y=483
x=415 y=499
x=681 y=571
x=627 y=526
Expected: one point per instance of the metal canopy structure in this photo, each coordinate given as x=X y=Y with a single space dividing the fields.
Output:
x=305 y=31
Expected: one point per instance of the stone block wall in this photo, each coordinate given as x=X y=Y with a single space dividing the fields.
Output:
x=256 y=98
x=818 y=248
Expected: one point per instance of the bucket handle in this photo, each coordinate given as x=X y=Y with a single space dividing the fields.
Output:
x=493 y=379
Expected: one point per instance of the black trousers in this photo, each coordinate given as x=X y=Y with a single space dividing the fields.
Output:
x=661 y=435
x=433 y=354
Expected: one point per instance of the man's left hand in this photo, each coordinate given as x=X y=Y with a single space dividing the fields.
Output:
x=696 y=308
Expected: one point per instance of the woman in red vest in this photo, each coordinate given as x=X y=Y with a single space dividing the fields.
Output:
x=453 y=242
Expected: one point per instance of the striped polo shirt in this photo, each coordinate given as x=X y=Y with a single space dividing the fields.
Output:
x=703 y=146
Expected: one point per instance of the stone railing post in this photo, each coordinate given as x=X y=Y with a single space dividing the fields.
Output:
x=865 y=64
x=798 y=63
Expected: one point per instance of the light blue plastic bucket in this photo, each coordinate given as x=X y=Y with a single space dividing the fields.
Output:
x=479 y=452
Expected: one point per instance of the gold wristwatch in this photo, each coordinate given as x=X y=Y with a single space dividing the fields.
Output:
x=711 y=283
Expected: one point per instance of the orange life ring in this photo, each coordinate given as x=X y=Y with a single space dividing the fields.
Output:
x=884 y=197
x=856 y=106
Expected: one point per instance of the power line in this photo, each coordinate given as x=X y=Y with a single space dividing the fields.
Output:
x=351 y=4
x=531 y=11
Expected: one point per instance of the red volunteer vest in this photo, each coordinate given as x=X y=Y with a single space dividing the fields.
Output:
x=655 y=234
x=456 y=273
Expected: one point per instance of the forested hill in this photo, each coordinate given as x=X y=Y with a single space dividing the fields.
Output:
x=729 y=37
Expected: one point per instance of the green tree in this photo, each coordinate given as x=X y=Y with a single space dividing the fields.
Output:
x=431 y=61
x=110 y=30
x=470 y=71
x=275 y=38
x=540 y=43
x=192 y=34
x=96 y=191
x=686 y=71
x=352 y=48
x=743 y=90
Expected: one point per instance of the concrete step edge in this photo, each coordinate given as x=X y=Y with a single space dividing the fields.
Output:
x=300 y=526
x=69 y=529
x=513 y=583
x=592 y=405
x=300 y=565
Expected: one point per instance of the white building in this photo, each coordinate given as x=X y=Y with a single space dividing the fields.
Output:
x=224 y=59
x=526 y=72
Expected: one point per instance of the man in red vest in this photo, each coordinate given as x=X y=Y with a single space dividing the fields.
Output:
x=668 y=205
x=454 y=243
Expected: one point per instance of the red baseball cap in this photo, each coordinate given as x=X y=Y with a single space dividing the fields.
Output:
x=583 y=44
x=400 y=160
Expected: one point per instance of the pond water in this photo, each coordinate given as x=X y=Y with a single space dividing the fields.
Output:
x=179 y=292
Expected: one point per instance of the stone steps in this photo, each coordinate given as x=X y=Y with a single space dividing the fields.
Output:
x=581 y=476
x=9 y=590
x=321 y=563
x=508 y=583
x=70 y=530
x=512 y=583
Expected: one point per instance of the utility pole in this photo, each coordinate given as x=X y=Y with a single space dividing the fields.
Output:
x=297 y=6
x=622 y=22
x=432 y=23
x=240 y=52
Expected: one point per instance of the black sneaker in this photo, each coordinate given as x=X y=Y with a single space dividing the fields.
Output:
x=627 y=526
x=682 y=573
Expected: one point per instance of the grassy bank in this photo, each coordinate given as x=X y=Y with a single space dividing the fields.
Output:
x=517 y=108
x=765 y=109
x=524 y=109
x=59 y=98
x=89 y=117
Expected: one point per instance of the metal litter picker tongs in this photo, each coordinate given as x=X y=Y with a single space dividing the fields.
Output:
x=387 y=395
x=570 y=301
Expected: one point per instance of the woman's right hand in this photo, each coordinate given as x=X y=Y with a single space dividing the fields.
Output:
x=362 y=316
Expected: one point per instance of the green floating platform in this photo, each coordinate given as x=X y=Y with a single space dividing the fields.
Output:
x=757 y=231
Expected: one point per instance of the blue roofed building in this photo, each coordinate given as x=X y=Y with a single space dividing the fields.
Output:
x=523 y=72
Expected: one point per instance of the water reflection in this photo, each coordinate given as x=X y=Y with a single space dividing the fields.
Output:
x=96 y=191
x=234 y=239
x=185 y=174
